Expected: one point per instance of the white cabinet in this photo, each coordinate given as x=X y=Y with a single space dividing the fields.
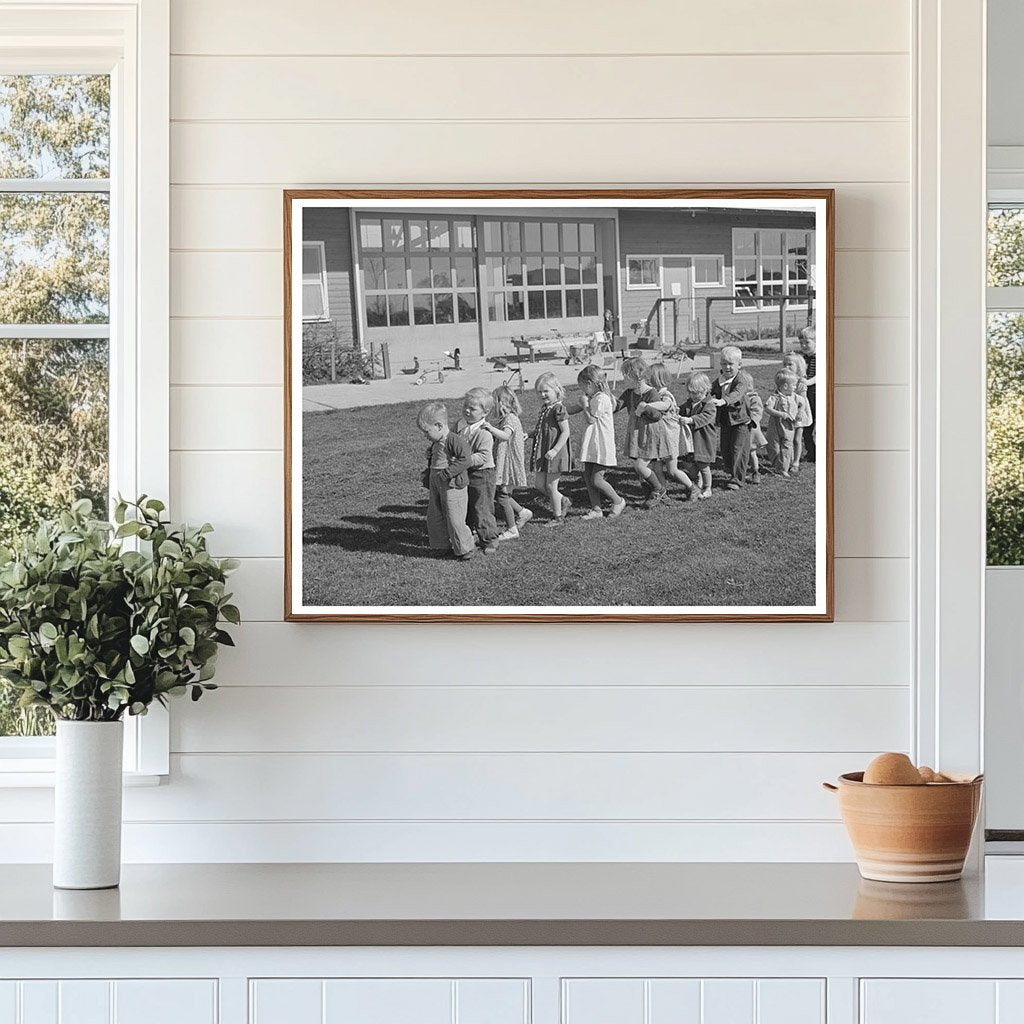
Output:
x=389 y=1001
x=942 y=1001
x=95 y=1001
x=693 y=1001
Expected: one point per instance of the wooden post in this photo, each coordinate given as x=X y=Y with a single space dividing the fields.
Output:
x=707 y=318
x=782 y=323
x=334 y=358
x=385 y=355
x=675 y=323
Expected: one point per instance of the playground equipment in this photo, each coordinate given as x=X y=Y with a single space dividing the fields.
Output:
x=425 y=376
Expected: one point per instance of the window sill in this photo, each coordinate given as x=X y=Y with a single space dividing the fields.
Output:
x=36 y=775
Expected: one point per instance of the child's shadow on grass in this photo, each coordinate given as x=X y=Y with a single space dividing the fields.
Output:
x=388 y=534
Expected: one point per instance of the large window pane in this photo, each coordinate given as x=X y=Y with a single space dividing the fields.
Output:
x=54 y=126
x=570 y=237
x=371 y=235
x=1006 y=247
x=439 y=234
x=531 y=236
x=587 y=238
x=394 y=234
x=376 y=311
x=549 y=237
x=394 y=270
x=420 y=267
x=441 y=272
x=464 y=271
x=373 y=273
x=552 y=270
x=417 y=234
x=423 y=309
x=512 y=239
x=590 y=302
x=444 y=312
x=535 y=303
x=54 y=258
x=1005 y=477
x=554 y=303
x=463 y=234
x=398 y=310
x=516 y=310
x=467 y=307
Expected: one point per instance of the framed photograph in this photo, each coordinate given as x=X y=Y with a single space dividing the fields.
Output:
x=541 y=405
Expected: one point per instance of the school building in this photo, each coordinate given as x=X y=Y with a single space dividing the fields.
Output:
x=430 y=281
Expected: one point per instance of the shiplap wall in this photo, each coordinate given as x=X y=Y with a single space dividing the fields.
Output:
x=517 y=742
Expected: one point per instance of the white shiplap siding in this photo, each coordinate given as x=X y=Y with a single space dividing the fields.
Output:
x=442 y=742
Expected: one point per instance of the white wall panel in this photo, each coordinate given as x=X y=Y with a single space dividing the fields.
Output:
x=928 y=1001
x=228 y=352
x=217 y=418
x=872 y=418
x=868 y=216
x=569 y=151
x=872 y=350
x=405 y=26
x=507 y=786
x=606 y=718
x=628 y=87
x=801 y=654
x=738 y=92
x=872 y=500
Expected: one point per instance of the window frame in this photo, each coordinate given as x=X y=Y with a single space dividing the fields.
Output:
x=131 y=43
x=636 y=258
x=760 y=305
x=719 y=258
x=324 y=317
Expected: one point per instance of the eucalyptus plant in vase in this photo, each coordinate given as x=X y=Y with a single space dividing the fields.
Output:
x=93 y=629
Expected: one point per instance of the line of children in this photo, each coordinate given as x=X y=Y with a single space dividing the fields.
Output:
x=477 y=468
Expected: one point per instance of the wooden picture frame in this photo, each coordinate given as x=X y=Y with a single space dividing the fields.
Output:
x=406 y=214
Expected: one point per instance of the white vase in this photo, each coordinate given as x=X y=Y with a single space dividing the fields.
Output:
x=87 y=805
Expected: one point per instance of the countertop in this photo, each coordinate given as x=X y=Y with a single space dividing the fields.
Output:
x=559 y=904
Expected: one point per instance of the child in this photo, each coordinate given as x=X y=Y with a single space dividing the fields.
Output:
x=448 y=458
x=728 y=391
x=754 y=405
x=804 y=418
x=808 y=349
x=635 y=375
x=782 y=408
x=663 y=435
x=551 y=455
x=597 y=450
x=476 y=404
x=509 y=460
x=700 y=413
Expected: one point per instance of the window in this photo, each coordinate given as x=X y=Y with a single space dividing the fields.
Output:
x=769 y=263
x=642 y=272
x=709 y=271
x=417 y=270
x=314 y=282
x=1005 y=475
x=83 y=407
x=541 y=270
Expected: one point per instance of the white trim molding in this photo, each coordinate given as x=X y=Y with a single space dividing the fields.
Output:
x=949 y=309
x=130 y=41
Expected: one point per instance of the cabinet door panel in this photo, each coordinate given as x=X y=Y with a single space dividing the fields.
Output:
x=84 y=1002
x=286 y=1001
x=928 y=1001
x=388 y=1001
x=791 y=1001
x=728 y=1001
x=38 y=1002
x=674 y=1000
x=492 y=1001
x=603 y=1001
x=8 y=1002
x=165 y=1002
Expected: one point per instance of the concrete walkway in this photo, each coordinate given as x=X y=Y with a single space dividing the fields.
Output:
x=476 y=372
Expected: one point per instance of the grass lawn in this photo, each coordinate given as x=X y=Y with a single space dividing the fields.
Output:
x=365 y=539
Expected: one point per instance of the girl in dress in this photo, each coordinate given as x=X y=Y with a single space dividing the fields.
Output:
x=597 y=449
x=663 y=436
x=804 y=418
x=754 y=405
x=551 y=455
x=782 y=409
x=700 y=414
x=509 y=461
x=635 y=375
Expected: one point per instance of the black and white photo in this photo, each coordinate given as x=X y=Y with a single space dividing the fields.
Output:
x=558 y=405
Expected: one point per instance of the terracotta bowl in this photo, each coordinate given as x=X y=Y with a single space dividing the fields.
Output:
x=909 y=833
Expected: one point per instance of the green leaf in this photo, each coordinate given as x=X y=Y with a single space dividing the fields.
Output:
x=170 y=549
x=231 y=613
x=49 y=631
x=140 y=644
